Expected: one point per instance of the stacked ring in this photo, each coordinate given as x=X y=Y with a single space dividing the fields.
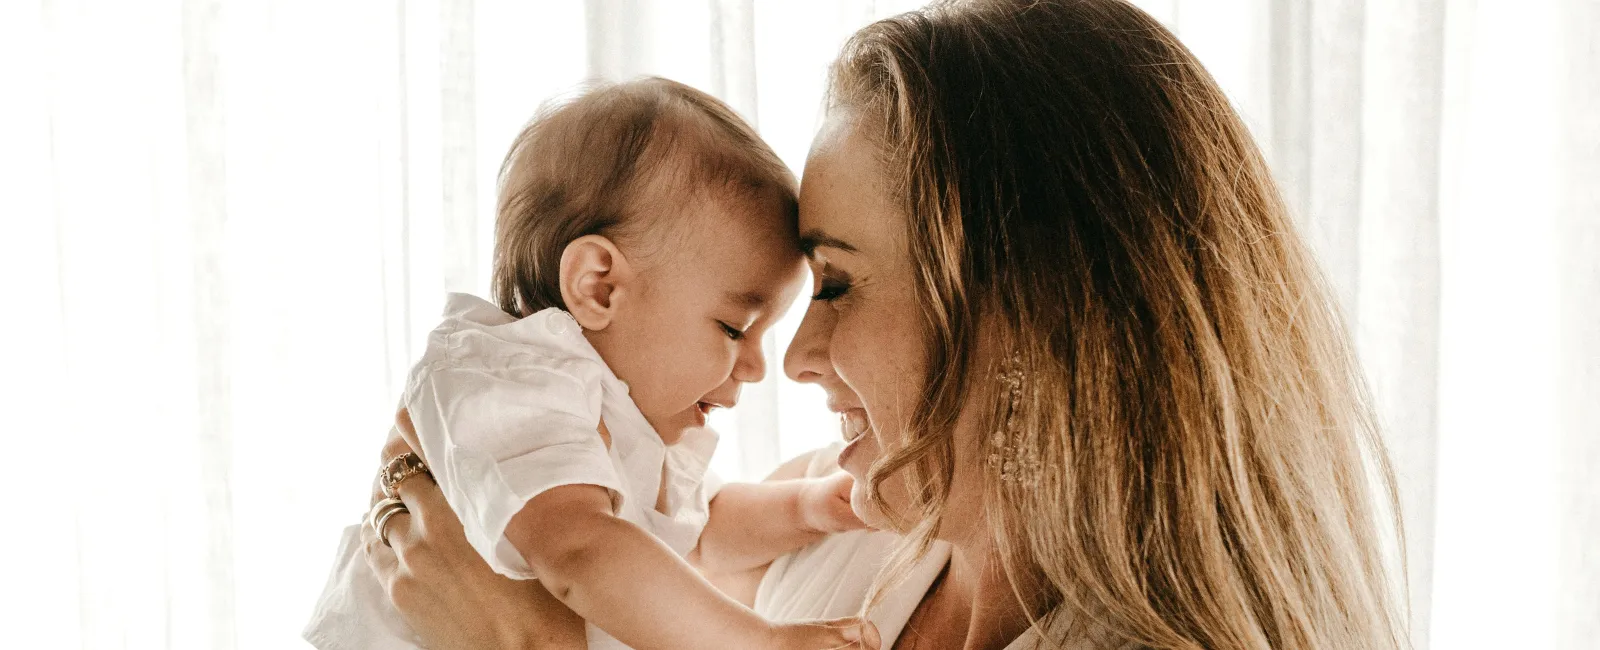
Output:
x=400 y=468
x=378 y=517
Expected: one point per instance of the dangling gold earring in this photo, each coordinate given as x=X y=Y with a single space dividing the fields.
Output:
x=1011 y=451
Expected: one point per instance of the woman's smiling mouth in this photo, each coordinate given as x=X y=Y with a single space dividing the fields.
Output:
x=853 y=423
x=853 y=426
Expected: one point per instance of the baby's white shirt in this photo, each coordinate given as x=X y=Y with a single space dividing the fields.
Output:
x=505 y=409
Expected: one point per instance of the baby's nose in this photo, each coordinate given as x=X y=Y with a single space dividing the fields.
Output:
x=752 y=364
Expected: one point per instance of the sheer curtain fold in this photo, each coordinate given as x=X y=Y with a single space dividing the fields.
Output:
x=226 y=227
x=1330 y=215
x=1395 y=313
x=616 y=38
x=458 y=170
x=1578 y=161
x=205 y=153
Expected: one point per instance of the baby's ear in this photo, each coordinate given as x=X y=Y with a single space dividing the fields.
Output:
x=593 y=272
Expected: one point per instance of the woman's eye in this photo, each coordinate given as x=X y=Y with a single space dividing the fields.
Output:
x=831 y=291
x=731 y=331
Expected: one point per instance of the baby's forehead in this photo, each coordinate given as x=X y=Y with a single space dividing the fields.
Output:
x=722 y=224
x=700 y=192
x=742 y=246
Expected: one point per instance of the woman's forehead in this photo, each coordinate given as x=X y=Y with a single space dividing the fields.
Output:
x=844 y=191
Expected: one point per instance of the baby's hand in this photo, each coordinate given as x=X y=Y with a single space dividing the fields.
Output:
x=826 y=635
x=825 y=504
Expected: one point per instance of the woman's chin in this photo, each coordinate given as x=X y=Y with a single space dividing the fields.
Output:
x=870 y=512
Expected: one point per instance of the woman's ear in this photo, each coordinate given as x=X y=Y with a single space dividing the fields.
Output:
x=593 y=274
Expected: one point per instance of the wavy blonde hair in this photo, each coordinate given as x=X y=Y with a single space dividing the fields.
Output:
x=1211 y=472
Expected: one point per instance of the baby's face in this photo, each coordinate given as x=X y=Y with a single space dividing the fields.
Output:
x=690 y=333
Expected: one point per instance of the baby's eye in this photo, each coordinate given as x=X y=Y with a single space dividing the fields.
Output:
x=731 y=331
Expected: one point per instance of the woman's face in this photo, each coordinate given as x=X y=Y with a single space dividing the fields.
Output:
x=861 y=339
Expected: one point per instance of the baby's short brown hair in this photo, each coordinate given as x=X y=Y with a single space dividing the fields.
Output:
x=590 y=165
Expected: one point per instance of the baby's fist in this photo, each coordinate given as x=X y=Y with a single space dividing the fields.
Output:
x=825 y=504
x=829 y=635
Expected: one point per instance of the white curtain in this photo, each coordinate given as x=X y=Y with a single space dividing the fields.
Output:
x=1444 y=158
x=226 y=226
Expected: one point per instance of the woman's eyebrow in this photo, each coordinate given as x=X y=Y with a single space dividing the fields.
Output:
x=813 y=239
x=746 y=299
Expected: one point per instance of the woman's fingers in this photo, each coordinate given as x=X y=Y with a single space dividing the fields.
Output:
x=408 y=433
x=401 y=532
x=395 y=563
x=381 y=558
x=426 y=502
x=377 y=492
x=395 y=444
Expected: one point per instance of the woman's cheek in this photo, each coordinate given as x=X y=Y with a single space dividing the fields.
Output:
x=841 y=350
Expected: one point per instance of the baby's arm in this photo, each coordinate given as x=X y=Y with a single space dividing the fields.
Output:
x=559 y=628
x=752 y=524
x=626 y=582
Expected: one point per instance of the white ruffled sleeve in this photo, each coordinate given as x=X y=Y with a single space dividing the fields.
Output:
x=499 y=425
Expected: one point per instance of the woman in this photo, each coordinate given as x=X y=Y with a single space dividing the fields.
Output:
x=1091 y=379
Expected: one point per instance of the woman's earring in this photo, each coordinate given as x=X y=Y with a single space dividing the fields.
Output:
x=1012 y=451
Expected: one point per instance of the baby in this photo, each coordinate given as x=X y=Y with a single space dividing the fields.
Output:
x=645 y=241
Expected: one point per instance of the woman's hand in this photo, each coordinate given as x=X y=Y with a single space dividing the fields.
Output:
x=444 y=590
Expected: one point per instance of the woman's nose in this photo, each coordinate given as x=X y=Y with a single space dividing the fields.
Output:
x=807 y=360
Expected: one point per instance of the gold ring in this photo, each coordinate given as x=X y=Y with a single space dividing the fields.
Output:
x=382 y=508
x=382 y=525
x=400 y=468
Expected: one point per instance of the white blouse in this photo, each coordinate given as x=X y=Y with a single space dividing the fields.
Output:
x=830 y=579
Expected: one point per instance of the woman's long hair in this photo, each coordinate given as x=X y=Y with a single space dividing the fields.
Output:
x=1210 y=473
